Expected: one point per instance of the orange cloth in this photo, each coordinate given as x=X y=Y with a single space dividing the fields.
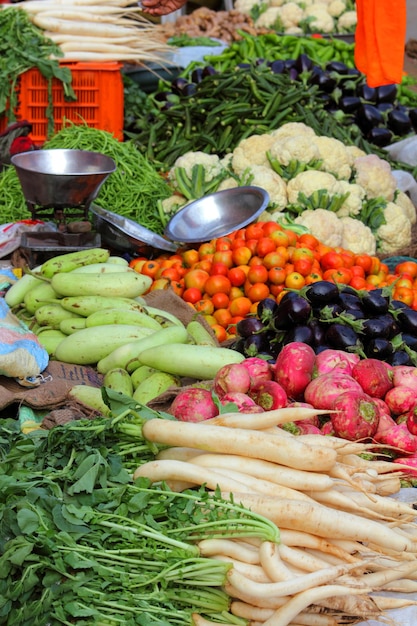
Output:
x=380 y=40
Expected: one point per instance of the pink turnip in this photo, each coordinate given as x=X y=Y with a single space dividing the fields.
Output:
x=382 y=406
x=268 y=394
x=330 y=360
x=411 y=462
x=373 y=376
x=311 y=420
x=258 y=368
x=322 y=391
x=327 y=429
x=230 y=378
x=304 y=428
x=293 y=368
x=400 y=399
x=385 y=424
x=244 y=403
x=400 y=438
x=405 y=375
x=411 y=420
x=356 y=416
x=194 y=405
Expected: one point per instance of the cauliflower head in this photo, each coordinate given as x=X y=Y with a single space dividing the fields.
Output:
x=294 y=148
x=352 y=206
x=404 y=201
x=269 y=180
x=245 y=6
x=292 y=129
x=310 y=181
x=319 y=18
x=269 y=18
x=324 y=225
x=347 y=22
x=291 y=14
x=251 y=151
x=334 y=157
x=375 y=176
x=336 y=7
x=357 y=237
x=228 y=183
x=211 y=162
x=396 y=233
x=353 y=153
x=173 y=203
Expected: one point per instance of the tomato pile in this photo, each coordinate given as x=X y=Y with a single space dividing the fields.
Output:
x=225 y=278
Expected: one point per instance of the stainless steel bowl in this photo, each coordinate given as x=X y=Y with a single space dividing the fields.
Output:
x=217 y=214
x=62 y=179
x=125 y=235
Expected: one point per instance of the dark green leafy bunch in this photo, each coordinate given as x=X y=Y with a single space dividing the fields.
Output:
x=23 y=46
x=81 y=543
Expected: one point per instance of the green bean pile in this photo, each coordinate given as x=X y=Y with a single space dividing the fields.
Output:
x=131 y=191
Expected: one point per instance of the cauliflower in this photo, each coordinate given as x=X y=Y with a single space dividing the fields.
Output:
x=245 y=6
x=276 y=3
x=211 y=163
x=310 y=181
x=251 y=151
x=292 y=129
x=294 y=30
x=294 y=148
x=375 y=176
x=272 y=183
x=336 y=7
x=173 y=203
x=334 y=157
x=404 y=201
x=347 y=22
x=357 y=237
x=271 y=18
x=353 y=153
x=352 y=206
x=319 y=18
x=324 y=225
x=228 y=183
x=291 y=14
x=396 y=233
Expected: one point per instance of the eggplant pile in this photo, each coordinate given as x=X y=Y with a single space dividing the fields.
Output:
x=327 y=315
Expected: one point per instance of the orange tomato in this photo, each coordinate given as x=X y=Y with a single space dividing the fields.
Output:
x=277 y=275
x=217 y=284
x=137 y=264
x=223 y=243
x=303 y=266
x=340 y=275
x=192 y=295
x=190 y=257
x=178 y=287
x=206 y=249
x=308 y=240
x=238 y=243
x=204 y=264
x=292 y=236
x=171 y=273
x=358 y=282
x=264 y=246
x=257 y=291
x=222 y=317
x=240 y=306
x=241 y=256
x=274 y=259
x=294 y=280
x=196 y=278
x=404 y=294
x=257 y=274
x=220 y=300
x=270 y=227
x=160 y=283
x=236 y=276
x=407 y=267
x=223 y=256
x=280 y=238
x=220 y=332
x=331 y=260
x=204 y=306
x=254 y=231
x=150 y=268
x=314 y=277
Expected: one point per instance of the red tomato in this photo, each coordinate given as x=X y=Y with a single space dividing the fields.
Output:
x=341 y=275
x=257 y=274
x=331 y=260
x=277 y=275
x=236 y=276
x=223 y=256
x=192 y=295
x=216 y=284
x=196 y=278
x=254 y=231
x=257 y=292
x=220 y=300
x=265 y=246
x=218 y=268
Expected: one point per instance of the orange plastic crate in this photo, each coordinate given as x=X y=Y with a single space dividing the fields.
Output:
x=99 y=104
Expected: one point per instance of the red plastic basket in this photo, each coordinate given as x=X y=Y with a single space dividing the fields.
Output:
x=99 y=104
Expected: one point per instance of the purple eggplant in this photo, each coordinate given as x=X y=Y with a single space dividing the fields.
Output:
x=399 y=122
x=249 y=326
x=386 y=93
x=277 y=67
x=380 y=136
x=379 y=348
x=322 y=292
x=342 y=337
x=349 y=104
x=367 y=117
x=337 y=66
x=412 y=114
x=303 y=63
x=367 y=93
x=407 y=320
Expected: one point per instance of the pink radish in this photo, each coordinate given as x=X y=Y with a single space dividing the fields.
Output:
x=330 y=360
x=194 y=405
x=322 y=391
x=356 y=416
x=373 y=376
x=400 y=438
x=405 y=375
x=400 y=399
x=410 y=461
x=268 y=394
x=411 y=420
x=385 y=424
x=307 y=429
x=327 y=429
x=382 y=406
x=230 y=378
x=311 y=420
x=293 y=368
x=258 y=368
x=244 y=403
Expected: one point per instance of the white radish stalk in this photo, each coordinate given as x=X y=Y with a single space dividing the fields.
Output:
x=291 y=609
x=178 y=453
x=260 y=485
x=272 y=563
x=295 y=479
x=295 y=538
x=301 y=559
x=260 y=421
x=346 y=503
x=81 y=28
x=286 y=587
x=254 y=572
x=234 y=549
x=326 y=522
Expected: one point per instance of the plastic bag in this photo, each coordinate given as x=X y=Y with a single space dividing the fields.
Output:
x=11 y=234
x=22 y=356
